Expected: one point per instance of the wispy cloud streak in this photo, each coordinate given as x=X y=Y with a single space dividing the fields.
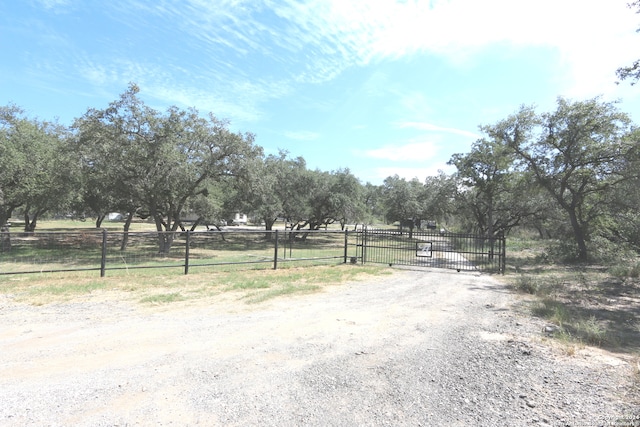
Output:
x=434 y=128
x=247 y=52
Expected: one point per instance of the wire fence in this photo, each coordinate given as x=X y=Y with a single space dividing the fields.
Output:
x=102 y=250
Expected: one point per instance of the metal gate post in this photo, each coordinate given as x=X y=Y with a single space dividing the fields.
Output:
x=186 y=253
x=364 y=245
x=275 y=253
x=346 y=232
x=503 y=254
x=103 y=259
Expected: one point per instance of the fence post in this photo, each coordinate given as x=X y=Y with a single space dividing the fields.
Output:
x=275 y=253
x=346 y=232
x=364 y=245
x=186 y=253
x=103 y=258
x=503 y=255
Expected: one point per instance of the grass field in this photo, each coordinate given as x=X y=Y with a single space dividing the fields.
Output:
x=60 y=249
x=591 y=304
x=164 y=286
x=235 y=263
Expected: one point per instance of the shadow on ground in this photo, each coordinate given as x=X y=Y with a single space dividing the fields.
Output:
x=586 y=303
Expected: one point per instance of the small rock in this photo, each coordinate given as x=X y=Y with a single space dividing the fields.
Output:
x=531 y=403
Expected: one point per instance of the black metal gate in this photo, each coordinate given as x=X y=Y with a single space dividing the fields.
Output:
x=431 y=249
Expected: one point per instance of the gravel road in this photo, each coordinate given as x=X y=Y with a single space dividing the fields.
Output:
x=429 y=347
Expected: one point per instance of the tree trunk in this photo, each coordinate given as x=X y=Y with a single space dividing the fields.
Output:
x=30 y=223
x=5 y=239
x=540 y=230
x=268 y=223
x=217 y=227
x=5 y=236
x=99 y=220
x=165 y=237
x=165 y=240
x=268 y=227
x=579 y=235
x=125 y=234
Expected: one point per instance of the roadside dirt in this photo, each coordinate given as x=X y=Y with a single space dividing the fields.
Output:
x=425 y=347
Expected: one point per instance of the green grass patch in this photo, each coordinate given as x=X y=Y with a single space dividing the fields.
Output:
x=591 y=304
x=282 y=290
x=67 y=289
x=170 y=284
x=236 y=282
x=81 y=249
x=162 y=298
x=573 y=328
x=538 y=284
x=552 y=310
x=626 y=269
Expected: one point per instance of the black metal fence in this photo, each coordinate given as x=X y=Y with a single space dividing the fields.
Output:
x=432 y=249
x=101 y=250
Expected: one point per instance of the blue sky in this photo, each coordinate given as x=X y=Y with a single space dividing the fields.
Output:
x=381 y=87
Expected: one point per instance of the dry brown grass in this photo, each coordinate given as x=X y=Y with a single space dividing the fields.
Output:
x=592 y=304
x=166 y=285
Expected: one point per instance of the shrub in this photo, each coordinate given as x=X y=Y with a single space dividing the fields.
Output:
x=536 y=284
x=626 y=268
x=561 y=251
x=605 y=251
x=527 y=284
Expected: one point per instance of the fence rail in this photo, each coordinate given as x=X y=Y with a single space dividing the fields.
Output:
x=102 y=250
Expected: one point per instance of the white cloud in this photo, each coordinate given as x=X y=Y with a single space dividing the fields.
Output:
x=593 y=38
x=234 y=99
x=434 y=128
x=292 y=42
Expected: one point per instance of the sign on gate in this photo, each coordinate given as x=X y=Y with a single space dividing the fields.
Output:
x=424 y=249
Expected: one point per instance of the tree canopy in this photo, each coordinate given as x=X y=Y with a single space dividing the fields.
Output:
x=571 y=173
x=631 y=72
x=37 y=170
x=577 y=153
x=159 y=161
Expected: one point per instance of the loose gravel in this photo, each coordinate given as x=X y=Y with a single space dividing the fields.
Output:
x=419 y=348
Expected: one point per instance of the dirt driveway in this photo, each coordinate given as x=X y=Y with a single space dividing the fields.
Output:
x=415 y=348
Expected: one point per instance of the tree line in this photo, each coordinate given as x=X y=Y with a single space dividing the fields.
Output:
x=571 y=174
